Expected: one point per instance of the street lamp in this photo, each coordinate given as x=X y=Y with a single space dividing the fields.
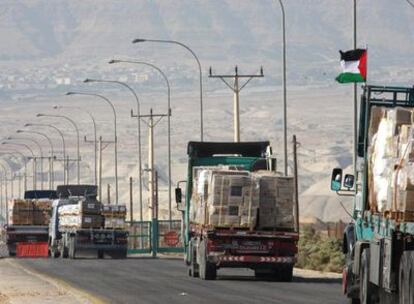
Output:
x=138 y=124
x=12 y=153
x=94 y=134
x=6 y=197
x=168 y=120
x=77 y=133
x=63 y=143
x=199 y=70
x=41 y=154
x=52 y=153
x=33 y=157
x=115 y=134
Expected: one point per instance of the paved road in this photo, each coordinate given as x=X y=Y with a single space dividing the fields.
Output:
x=145 y=280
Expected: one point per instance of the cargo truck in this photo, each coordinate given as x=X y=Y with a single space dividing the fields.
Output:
x=81 y=229
x=28 y=226
x=379 y=241
x=230 y=242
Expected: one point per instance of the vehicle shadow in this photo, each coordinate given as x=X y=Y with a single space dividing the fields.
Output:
x=296 y=279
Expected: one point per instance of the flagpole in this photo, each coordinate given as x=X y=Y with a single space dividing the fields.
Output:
x=355 y=100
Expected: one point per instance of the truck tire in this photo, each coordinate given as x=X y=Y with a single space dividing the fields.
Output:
x=406 y=280
x=72 y=248
x=64 y=252
x=411 y=279
x=193 y=270
x=286 y=274
x=120 y=254
x=366 y=288
x=208 y=271
x=100 y=254
x=54 y=253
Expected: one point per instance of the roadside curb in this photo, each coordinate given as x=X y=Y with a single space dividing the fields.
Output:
x=60 y=284
x=307 y=273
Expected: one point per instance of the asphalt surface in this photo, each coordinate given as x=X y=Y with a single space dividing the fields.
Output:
x=146 y=280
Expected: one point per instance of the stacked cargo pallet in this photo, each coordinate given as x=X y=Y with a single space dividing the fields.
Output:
x=114 y=216
x=83 y=214
x=29 y=212
x=391 y=162
x=237 y=198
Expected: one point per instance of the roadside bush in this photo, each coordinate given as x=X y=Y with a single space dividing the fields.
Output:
x=319 y=253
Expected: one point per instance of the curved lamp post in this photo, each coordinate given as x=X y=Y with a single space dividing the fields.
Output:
x=115 y=134
x=94 y=134
x=6 y=195
x=40 y=150
x=52 y=154
x=33 y=157
x=138 y=130
x=12 y=153
x=168 y=121
x=77 y=134
x=139 y=40
x=63 y=143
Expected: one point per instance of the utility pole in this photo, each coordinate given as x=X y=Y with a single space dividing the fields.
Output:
x=151 y=125
x=131 y=201
x=108 y=189
x=100 y=149
x=295 y=174
x=355 y=97
x=236 y=88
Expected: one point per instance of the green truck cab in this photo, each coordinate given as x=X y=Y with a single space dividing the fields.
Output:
x=379 y=246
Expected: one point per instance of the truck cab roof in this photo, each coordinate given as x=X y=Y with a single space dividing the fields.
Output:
x=40 y=194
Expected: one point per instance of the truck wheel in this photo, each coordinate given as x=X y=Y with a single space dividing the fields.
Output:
x=121 y=254
x=193 y=270
x=100 y=254
x=54 y=253
x=208 y=271
x=402 y=278
x=64 y=253
x=286 y=274
x=72 y=248
x=366 y=288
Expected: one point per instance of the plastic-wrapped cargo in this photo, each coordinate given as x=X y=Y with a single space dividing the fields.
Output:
x=80 y=221
x=391 y=160
x=81 y=207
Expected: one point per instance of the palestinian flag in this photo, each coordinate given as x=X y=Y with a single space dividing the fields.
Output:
x=354 y=66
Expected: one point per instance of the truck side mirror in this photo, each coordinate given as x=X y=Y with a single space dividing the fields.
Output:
x=349 y=181
x=336 y=179
x=178 y=196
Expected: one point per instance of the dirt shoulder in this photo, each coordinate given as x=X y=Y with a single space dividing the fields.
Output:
x=19 y=285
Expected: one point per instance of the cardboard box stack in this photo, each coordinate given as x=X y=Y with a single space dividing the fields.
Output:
x=391 y=160
x=114 y=216
x=230 y=198
x=276 y=200
x=83 y=214
x=29 y=212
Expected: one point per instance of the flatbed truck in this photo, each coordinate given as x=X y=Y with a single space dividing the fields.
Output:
x=68 y=242
x=28 y=233
x=271 y=254
x=379 y=247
